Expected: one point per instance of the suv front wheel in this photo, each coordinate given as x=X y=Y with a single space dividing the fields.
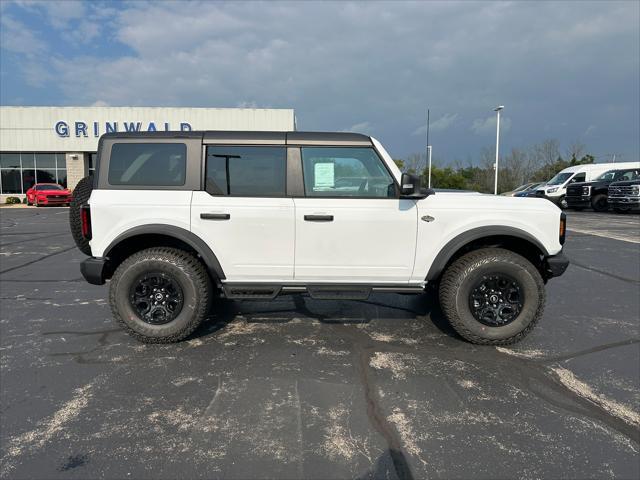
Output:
x=160 y=295
x=492 y=296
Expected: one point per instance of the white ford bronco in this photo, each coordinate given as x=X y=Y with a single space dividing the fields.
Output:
x=176 y=219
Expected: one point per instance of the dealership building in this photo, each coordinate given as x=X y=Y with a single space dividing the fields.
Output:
x=59 y=144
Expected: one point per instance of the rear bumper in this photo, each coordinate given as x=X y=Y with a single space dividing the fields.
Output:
x=556 y=265
x=93 y=270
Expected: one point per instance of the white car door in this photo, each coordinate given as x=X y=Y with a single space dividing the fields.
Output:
x=243 y=213
x=351 y=227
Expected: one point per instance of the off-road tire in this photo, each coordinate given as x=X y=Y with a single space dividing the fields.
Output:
x=81 y=195
x=186 y=270
x=599 y=203
x=458 y=280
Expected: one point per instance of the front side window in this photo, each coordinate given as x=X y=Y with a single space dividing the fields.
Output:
x=581 y=177
x=246 y=171
x=345 y=172
x=148 y=164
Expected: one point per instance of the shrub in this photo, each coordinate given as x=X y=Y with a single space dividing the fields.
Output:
x=13 y=200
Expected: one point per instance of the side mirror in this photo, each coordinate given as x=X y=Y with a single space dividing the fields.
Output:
x=410 y=187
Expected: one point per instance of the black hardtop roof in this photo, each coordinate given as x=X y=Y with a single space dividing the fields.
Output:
x=256 y=137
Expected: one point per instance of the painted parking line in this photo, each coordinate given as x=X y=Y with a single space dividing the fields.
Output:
x=632 y=237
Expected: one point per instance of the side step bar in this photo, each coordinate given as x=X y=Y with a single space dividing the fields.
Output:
x=261 y=291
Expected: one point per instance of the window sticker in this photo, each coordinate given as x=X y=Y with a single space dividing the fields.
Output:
x=323 y=174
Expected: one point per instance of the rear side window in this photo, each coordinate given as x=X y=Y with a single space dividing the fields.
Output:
x=246 y=171
x=152 y=164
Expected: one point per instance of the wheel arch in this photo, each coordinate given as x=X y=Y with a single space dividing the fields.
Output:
x=509 y=238
x=156 y=235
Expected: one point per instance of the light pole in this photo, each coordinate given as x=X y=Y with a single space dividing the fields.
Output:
x=429 y=156
x=497 y=110
x=428 y=150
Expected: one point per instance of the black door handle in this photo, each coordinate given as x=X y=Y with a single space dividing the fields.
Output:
x=215 y=216
x=318 y=218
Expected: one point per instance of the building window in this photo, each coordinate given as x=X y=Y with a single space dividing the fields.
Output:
x=92 y=163
x=20 y=171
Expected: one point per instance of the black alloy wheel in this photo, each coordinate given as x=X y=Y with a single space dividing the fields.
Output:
x=496 y=300
x=156 y=297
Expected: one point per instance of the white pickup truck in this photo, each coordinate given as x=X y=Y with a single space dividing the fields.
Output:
x=174 y=219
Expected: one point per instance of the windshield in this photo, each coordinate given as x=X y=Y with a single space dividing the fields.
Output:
x=49 y=187
x=560 y=178
x=526 y=186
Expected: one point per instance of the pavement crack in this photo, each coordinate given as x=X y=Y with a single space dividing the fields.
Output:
x=602 y=272
x=599 y=348
x=377 y=417
x=26 y=264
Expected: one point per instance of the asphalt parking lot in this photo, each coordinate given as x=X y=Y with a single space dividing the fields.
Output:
x=298 y=388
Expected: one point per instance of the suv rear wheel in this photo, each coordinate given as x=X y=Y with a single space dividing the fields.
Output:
x=492 y=296
x=160 y=295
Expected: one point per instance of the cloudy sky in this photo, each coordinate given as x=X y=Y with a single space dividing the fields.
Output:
x=565 y=70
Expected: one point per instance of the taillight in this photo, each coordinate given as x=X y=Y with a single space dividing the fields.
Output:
x=563 y=227
x=85 y=221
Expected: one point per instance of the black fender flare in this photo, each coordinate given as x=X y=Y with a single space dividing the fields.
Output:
x=190 y=238
x=456 y=243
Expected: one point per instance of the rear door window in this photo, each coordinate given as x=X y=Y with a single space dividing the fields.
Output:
x=246 y=171
x=148 y=164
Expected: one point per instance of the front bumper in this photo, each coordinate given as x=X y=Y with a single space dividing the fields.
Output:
x=578 y=201
x=555 y=265
x=93 y=270
x=627 y=202
x=53 y=201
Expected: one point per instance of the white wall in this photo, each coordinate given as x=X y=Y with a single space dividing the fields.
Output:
x=33 y=129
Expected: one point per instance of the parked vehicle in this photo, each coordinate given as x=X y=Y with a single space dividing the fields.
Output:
x=531 y=191
x=625 y=196
x=593 y=194
x=556 y=188
x=174 y=219
x=521 y=188
x=42 y=194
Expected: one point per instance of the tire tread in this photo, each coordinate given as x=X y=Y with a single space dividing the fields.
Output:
x=186 y=262
x=456 y=273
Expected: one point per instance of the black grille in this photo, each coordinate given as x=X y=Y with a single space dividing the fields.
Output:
x=574 y=191
x=623 y=191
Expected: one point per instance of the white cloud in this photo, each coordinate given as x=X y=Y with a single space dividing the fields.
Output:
x=483 y=126
x=16 y=37
x=439 y=125
x=590 y=129
x=362 y=127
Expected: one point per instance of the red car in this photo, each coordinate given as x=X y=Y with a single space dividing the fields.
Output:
x=48 y=194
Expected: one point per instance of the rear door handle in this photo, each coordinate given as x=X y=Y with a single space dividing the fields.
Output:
x=215 y=216
x=318 y=218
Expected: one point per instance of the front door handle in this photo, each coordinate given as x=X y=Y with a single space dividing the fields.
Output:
x=318 y=218
x=215 y=216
